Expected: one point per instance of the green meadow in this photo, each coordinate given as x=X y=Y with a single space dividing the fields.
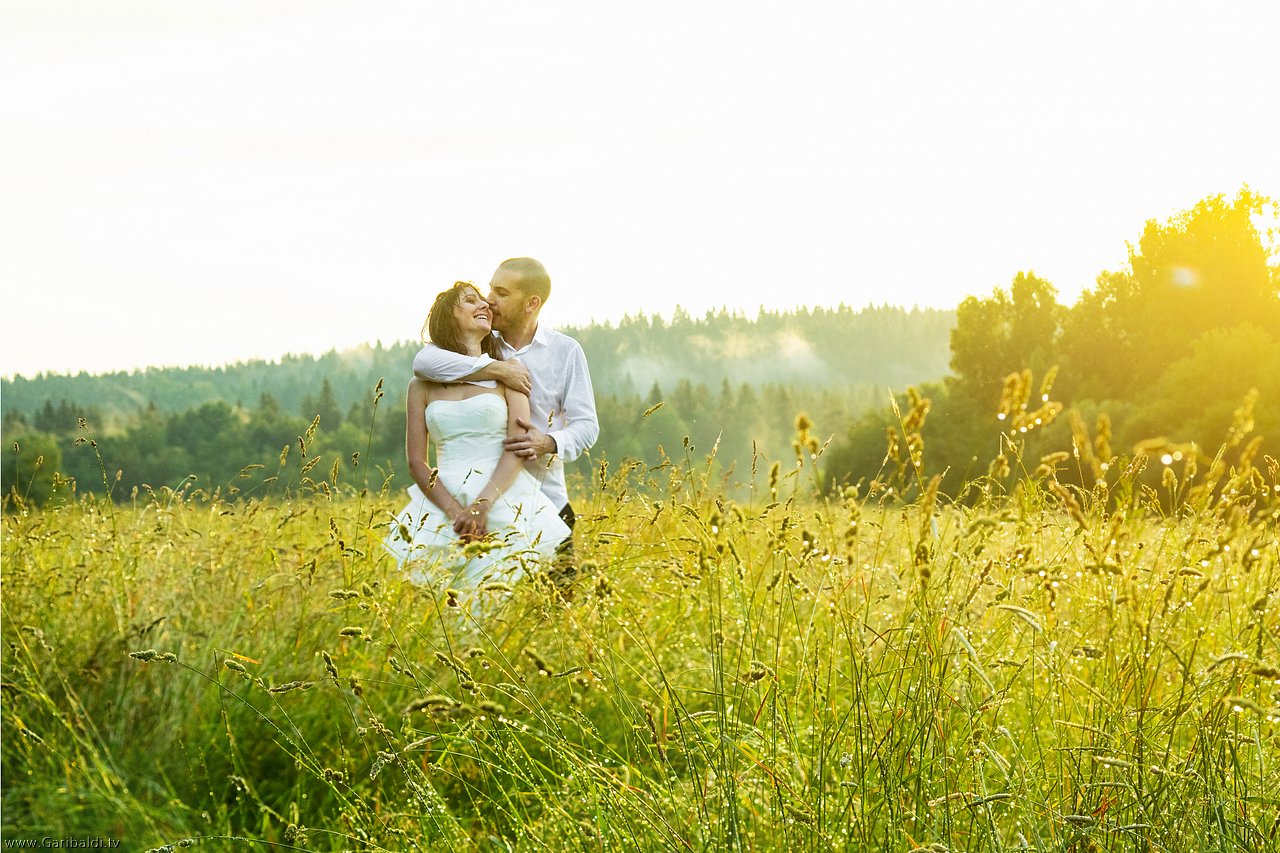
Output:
x=747 y=661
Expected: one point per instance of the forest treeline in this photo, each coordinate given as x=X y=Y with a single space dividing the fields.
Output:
x=1163 y=363
x=724 y=380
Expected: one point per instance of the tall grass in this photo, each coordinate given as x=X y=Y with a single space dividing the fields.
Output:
x=879 y=669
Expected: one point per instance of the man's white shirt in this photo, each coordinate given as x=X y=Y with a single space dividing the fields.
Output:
x=562 y=403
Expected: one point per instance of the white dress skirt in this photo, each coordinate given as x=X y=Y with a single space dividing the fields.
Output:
x=523 y=524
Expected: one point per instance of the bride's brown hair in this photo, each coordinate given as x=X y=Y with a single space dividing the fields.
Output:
x=441 y=326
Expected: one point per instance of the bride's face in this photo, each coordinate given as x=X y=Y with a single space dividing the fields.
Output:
x=472 y=313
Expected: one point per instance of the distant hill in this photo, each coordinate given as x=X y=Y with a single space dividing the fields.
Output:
x=809 y=348
x=724 y=381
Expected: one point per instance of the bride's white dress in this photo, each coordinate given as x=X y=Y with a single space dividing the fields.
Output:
x=523 y=524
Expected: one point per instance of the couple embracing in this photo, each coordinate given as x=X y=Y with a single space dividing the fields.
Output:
x=507 y=401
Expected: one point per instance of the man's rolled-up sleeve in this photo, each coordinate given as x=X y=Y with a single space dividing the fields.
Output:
x=434 y=364
x=582 y=427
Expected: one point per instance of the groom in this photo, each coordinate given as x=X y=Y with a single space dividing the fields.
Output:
x=539 y=361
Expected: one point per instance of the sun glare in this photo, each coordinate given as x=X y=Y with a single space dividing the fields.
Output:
x=1185 y=277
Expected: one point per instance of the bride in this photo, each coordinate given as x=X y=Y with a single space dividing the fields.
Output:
x=479 y=514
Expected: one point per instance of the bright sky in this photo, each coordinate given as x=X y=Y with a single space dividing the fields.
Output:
x=200 y=183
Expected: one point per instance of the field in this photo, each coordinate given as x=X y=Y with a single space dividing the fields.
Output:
x=1032 y=667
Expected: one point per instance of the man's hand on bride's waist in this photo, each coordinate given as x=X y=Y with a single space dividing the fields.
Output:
x=531 y=443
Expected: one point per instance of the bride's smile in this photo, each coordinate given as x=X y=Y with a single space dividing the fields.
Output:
x=473 y=313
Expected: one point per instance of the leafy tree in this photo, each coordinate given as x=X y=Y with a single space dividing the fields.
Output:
x=1008 y=331
x=1205 y=268
x=1197 y=395
x=1098 y=345
x=1168 y=347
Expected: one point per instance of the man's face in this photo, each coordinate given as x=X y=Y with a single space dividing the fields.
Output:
x=507 y=299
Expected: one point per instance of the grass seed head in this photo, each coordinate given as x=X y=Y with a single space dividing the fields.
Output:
x=329 y=667
x=148 y=655
x=237 y=667
x=290 y=686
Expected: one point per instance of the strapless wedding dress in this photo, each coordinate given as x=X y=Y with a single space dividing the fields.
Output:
x=523 y=524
